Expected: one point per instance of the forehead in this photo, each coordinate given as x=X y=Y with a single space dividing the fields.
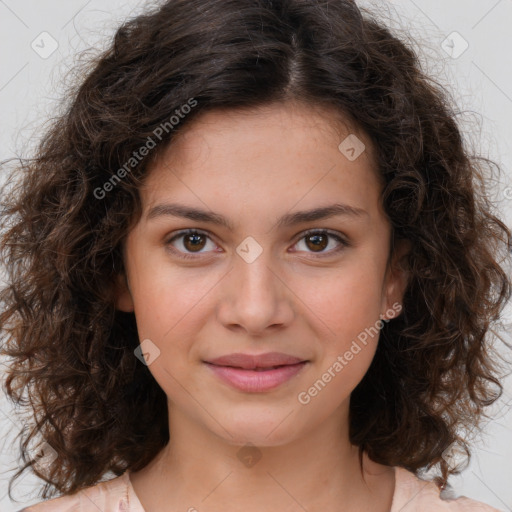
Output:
x=295 y=123
x=281 y=153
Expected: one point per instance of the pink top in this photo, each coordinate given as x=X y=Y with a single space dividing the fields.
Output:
x=412 y=494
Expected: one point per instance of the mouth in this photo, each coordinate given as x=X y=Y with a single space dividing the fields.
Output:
x=268 y=360
x=257 y=379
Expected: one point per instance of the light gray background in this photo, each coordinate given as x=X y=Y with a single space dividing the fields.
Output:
x=480 y=81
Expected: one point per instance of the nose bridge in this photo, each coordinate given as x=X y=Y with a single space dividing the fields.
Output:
x=255 y=277
x=257 y=299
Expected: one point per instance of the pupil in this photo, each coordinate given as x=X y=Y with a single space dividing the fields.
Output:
x=194 y=238
x=316 y=243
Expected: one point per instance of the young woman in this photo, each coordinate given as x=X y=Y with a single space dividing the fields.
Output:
x=252 y=267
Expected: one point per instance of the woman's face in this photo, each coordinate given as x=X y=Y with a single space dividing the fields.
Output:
x=251 y=281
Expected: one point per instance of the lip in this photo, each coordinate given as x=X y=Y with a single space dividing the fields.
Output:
x=251 y=362
x=256 y=373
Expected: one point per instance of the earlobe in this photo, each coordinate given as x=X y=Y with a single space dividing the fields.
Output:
x=124 y=300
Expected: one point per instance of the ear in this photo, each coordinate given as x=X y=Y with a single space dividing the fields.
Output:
x=124 y=300
x=397 y=277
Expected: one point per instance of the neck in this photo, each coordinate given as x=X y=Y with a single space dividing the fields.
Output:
x=321 y=471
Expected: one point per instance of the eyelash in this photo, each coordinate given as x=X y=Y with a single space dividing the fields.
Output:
x=343 y=243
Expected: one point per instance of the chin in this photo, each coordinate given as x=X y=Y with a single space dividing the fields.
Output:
x=259 y=431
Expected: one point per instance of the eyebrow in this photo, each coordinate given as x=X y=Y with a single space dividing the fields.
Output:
x=287 y=220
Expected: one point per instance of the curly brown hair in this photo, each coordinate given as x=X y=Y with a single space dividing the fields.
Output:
x=63 y=225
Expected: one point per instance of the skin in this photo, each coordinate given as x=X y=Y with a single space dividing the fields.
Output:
x=252 y=167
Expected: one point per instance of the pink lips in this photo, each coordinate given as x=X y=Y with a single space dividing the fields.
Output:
x=256 y=373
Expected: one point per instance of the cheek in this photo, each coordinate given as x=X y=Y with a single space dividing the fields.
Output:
x=333 y=384
x=344 y=311
x=349 y=336
x=170 y=312
x=346 y=304
x=171 y=308
x=166 y=297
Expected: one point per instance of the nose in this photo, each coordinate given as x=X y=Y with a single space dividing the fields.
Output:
x=256 y=297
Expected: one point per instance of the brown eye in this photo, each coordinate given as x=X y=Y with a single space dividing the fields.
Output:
x=189 y=243
x=316 y=241
x=194 y=242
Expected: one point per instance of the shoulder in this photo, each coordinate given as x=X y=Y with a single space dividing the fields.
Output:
x=109 y=496
x=414 y=494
